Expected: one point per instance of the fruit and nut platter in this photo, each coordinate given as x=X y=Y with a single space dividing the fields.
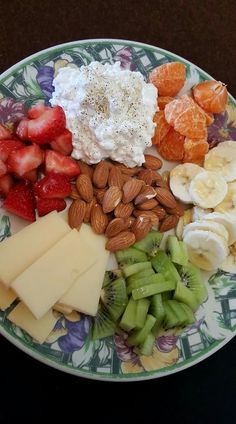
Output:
x=117 y=210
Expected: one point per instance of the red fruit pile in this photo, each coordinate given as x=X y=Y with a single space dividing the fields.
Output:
x=35 y=166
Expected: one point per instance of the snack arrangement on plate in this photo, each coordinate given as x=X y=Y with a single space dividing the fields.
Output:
x=113 y=231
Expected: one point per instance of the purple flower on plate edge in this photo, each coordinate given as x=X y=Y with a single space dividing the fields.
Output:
x=223 y=127
x=76 y=332
x=124 y=56
x=11 y=111
x=44 y=79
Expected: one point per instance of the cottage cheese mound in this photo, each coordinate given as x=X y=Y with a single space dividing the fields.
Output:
x=108 y=110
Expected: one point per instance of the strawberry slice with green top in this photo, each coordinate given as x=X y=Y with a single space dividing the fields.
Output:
x=45 y=206
x=21 y=201
x=25 y=159
x=56 y=162
x=53 y=186
x=43 y=124
x=6 y=183
x=63 y=143
x=7 y=146
x=4 y=133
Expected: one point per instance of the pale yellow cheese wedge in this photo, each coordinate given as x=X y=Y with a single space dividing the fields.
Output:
x=7 y=297
x=42 y=284
x=39 y=329
x=63 y=309
x=84 y=295
x=23 y=248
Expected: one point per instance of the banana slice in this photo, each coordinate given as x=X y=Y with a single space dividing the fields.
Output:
x=207 y=189
x=229 y=264
x=206 y=249
x=228 y=223
x=205 y=225
x=228 y=205
x=199 y=213
x=222 y=159
x=180 y=179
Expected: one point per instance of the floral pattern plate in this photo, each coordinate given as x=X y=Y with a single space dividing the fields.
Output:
x=69 y=347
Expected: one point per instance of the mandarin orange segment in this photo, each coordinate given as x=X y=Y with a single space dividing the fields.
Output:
x=168 y=78
x=162 y=127
x=186 y=117
x=163 y=101
x=212 y=96
x=172 y=146
x=195 y=150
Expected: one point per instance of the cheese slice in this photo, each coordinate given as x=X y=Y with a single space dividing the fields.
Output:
x=42 y=284
x=7 y=297
x=23 y=248
x=84 y=295
x=39 y=329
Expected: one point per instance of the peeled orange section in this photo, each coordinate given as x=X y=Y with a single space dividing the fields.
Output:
x=171 y=147
x=212 y=96
x=168 y=78
x=162 y=127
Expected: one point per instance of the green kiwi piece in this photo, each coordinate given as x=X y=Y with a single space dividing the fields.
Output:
x=130 y=256
x=102 y=325
x=171 y=320
x=177 y=250
x=111 y=276
x=167 y=295
x=191 y=277
x=157 y=310
x=185 y=295
x=146 y=348
x=141 y=312
x=144 y=281
x=142 y=274
x=179 y=312
x=150 y=243
x=138 y=336
x=162 y=263
x=128 y=320
x=151 y=289
x=114 y=297
x=129 y=270
x=189 y=313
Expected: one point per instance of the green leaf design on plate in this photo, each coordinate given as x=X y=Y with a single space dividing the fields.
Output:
x=5 y=227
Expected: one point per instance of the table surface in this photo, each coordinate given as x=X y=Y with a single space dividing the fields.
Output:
x=204 y=33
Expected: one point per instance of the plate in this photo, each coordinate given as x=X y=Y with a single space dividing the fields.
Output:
x=69 y=348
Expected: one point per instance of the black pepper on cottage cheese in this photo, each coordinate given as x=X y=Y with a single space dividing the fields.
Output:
x=109 y=111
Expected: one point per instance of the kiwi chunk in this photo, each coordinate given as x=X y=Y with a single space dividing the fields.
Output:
x=144 y=281
x=191 y=277
x=142 y=274
x=178 y=250
x=185 y=295
x=162 y=263
x=114 y=297
x=151 y=289
x=138 y=336
x=111 y=276
x=130 y=256
x=157 y=310
x=103 y=326
x=134 y=268
x=171 y=320
x=141 y=312
x=128 y=320
x=179 y=312
x=146 y=348
x=150 y=243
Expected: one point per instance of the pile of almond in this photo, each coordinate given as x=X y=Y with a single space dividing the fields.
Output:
x=123 y=203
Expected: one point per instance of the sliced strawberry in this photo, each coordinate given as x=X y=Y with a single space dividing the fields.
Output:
x=47 y=124
x=21 y=201
x=25 y=159
x=63 y=143
x=8 y=146
x=6 y=183
x=22 y=129
x=53 y=186
x=56 y=162
x=46 y=206
x=3 y=168
x=4 y=133
x=30 y=176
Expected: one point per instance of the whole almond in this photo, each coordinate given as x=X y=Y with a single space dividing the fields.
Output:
x=85 y=187
x=99 y=194
x=74 y=192
x=165 y=198
x=86 y=169
x=76 y=213
x=160 y=212
x=131 y=189
x=141 y=226
x=89 y=206
x=98 y=219
x=111 y=199
x=178 y=210
x=121 y=241
x=130 y=220
x=148 y=205
x=123 y=210
x=146 y=175
x=147 y=192
x=152 y=162
x=125 y=178
x=116 y=226
x=101 y=173
x=168 y=223
x=115 y=177
x=166 y=178
x=128 y=171
x=157 y=178
x=148 y=214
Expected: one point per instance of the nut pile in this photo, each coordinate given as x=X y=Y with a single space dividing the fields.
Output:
x=123 y=203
